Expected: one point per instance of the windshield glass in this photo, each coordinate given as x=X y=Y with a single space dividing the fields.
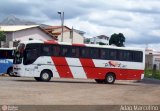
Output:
x=31 y=53
x=19 y=54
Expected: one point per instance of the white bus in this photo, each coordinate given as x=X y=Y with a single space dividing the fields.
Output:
x=45 y=59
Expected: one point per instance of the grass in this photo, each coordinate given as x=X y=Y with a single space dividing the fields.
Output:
x=152 y=74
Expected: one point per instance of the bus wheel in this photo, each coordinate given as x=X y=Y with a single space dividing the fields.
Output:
x=10 y=71
x=99 y=81
x=110 y=78
x=45 y=76
x=37 y=78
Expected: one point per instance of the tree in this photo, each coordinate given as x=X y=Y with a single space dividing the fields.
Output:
x=117 y=39
x=2 y=37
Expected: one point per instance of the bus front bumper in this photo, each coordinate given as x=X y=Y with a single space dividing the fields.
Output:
x=17 y=71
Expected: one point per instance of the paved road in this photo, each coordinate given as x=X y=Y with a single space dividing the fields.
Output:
x=26 y=91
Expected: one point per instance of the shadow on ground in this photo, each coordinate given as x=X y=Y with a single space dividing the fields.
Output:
x=149 y=81
x=78 y=82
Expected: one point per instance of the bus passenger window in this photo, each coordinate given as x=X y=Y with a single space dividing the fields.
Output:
x=75 y=52
x=102 y=54
x=64 y=52
x=94 y=53
x=112 y=54
x=56 y=50
x=85 y=53
x=46 y=51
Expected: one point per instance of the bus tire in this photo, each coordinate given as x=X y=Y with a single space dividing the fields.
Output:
x=100 y=81
x=45 y=76
x=37 y=78
x=110 y=78
x=10 y=71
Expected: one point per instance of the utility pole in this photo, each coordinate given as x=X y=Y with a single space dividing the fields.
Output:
x=62 y=23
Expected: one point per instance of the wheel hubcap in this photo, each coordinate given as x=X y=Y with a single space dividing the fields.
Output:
x=110 y=78
x=45 y=76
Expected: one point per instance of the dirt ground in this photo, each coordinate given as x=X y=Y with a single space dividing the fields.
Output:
x=26 y=91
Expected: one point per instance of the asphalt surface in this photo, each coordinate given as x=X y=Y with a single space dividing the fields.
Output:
x=26 y=91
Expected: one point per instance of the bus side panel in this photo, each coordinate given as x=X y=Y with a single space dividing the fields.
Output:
x=121 y=74
x=62 y=67
x=134 y=74
x=5 y=64
x=89 y=68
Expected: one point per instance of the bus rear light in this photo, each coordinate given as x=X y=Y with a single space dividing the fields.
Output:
x=142 y=76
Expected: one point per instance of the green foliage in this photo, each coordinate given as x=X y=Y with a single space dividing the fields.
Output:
x=2 y=36
x=149 y=74
x=117 y=39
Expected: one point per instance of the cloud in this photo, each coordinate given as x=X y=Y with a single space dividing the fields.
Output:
x=138 y=20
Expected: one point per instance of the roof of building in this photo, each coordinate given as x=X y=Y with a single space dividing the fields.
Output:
x=23 y=27
x=52 y=28
x=14 y=28
x=56 y=27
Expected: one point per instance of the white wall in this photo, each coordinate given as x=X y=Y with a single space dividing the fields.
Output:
x=97 y=40
x=77 y=38
x=156 y=60
x=34 y=33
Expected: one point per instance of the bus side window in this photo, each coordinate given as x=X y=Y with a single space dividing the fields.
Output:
x=94 y=53
x=137 y=56
x=1 y=54
x=55 y=50
x=124 y=55
x=85 y=52
x=113 y=54
x=75 y=52
x=65 y=51
x=6 y=54
x=46 y=51
x=103 y=54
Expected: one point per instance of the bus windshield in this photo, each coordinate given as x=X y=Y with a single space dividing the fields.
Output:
x=19 y=54
x=31 y=53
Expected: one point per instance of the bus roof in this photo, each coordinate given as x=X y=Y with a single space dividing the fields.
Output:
x=84 y=45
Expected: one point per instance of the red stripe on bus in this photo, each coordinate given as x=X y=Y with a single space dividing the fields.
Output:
x=50 y=42
x=62 y=67
x=78 y=44
x=89 y=68
x=100 y=73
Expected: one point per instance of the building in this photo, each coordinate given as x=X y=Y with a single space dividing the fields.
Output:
x=69 y=35
x=102 y=39
x=152 y=58
x=24 y=32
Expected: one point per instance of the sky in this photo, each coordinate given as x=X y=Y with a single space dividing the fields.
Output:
x=138 y=20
